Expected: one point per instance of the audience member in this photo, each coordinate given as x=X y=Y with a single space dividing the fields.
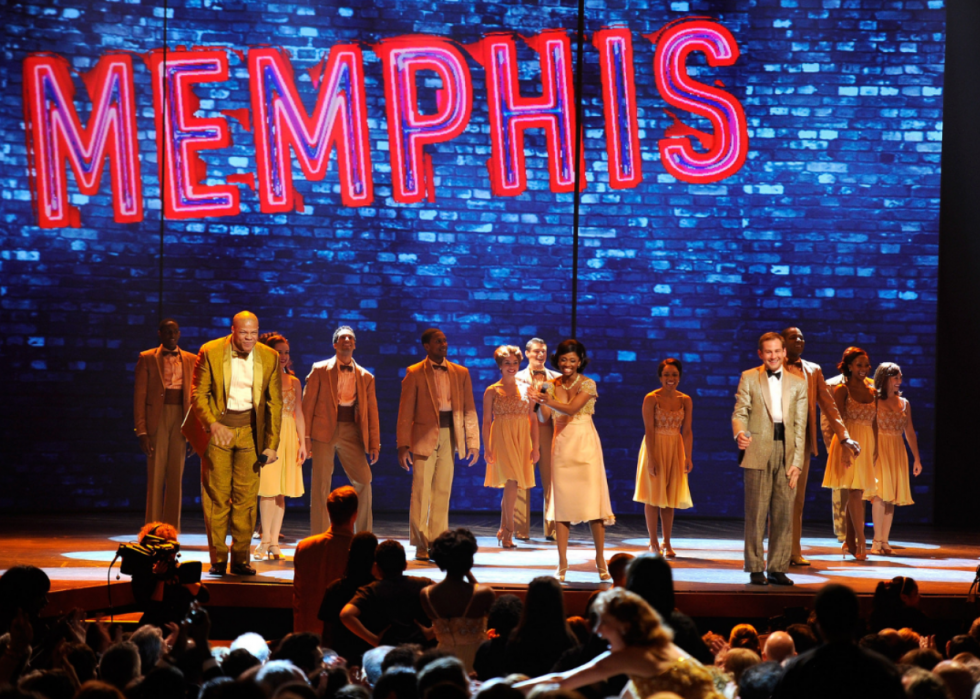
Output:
x=405 y=655
x=372 y=662
x=96 y=689
x=745 y=636
x=926 y=658
x=503 y=618
x=398 y=682
x=82 y=659
x=803 y=637
x=149 y=641
x=542 y=634
x=120 y=665
x=359 y=572
x=779 y=646
x=738 y=660
x=163 y=682
x=922 y=684
x=302 y=650
x=962 y=643
x=321 y=559
x=351 y=691
x=839 y=668
x=254 y=644
x=276 y=673
x=957 y=678
x=458 y=606
x=896 y=605
x=759 y=681
x=50 y=684
x=389 y=611
x=446 y=670
x=649 y=576
x=298 y=690
x=237 y=662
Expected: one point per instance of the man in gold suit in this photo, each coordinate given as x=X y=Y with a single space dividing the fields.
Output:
x=233 y=424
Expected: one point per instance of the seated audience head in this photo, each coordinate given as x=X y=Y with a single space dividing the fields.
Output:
x=836 y=607
x=360 y=558
x=926 y=658
x=581 y=628
x=254 y=644
x=759 y=681
x=543 y=616
x=97 y=689
x=389 y=557
x=238 y=661
x=779 y=646
x=162 y=683
x=276 y=673
x=745 y=636
x=398 y=682
x=505 y=615
x=83 y=661
x=803 y=637
x=957 y=678
x=404 y=655
x=499 y=688
x=738 y=660
x=449 y=670
x=352 y=691
x=430 y=655
x=625 y=619
x=446 y=690
x=302 y=650
x=618 y=565
x=120 y=664
x=149 y=640
x=297 y=690
x=453 y=551
x=50 y=684
x=570 y=346
x=890 y=644
x=922 y=684
x=342 y=507
x=372 y=661
x=972 y=663
x=962 y=643
x=649 y=576
x=25 y=588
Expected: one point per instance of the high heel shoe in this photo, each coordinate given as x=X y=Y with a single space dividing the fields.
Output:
x=876 y=547
x=274 y=553
x=260 y=552
x=844 y=550
x=860 y=550
x=560 y=573
x=654 y=548
x=504 y=540
x=669 y=552
x=886 y=549
x=604 y=575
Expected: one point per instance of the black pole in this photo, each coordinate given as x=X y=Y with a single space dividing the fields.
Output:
x=163 y=157
x=579 y=118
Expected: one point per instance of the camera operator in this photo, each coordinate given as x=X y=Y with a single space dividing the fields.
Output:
x=165 y=591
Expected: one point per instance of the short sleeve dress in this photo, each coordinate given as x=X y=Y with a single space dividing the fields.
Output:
x=860 y=475
x=892 y=466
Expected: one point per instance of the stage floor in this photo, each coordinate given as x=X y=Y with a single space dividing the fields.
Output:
x=75 y=551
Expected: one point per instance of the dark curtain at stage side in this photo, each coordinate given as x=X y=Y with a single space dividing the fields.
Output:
x=958 y=336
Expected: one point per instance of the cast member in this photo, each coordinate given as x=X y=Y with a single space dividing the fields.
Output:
x=233 y=425
x=769 y=424
x=341 y=412
x=161 y=399
x=436 y=418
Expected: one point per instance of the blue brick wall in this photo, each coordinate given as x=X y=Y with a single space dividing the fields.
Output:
x=832 y=225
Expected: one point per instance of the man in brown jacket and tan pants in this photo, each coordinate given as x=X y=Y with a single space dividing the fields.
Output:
x=341 y=412
x=436 y=418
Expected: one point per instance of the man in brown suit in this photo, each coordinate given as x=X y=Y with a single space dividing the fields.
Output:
x=233 y=425
x=436 y=418
x=341 y=413
x=817 y=394
x=769 y=424
x=162 y=397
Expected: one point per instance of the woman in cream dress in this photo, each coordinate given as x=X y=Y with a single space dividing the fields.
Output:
x=855 y=475
x=892 y=465
x=510 y=433
x=665 y=455
x=580 y=491
x=284 y=477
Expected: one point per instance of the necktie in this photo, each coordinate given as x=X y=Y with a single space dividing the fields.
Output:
x=777 y=374
x=346 y=367
x=440 y=367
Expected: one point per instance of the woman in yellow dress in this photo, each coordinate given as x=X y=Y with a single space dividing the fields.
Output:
x=283 y=478
x=641 y=647
x=665 y=455
x=855 y=475
x=510 y=433
x=892 y=464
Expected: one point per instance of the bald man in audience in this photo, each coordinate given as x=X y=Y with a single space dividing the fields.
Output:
x=779 y=646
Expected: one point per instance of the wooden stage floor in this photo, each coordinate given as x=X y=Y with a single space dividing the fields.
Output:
x=75 y=551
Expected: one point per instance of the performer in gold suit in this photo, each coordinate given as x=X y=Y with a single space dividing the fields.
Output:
x=234 y=421
x=855 y=474
x=665 y=454
x=161 y=398
x=639 y=647
x=284 y=478
x=510 y=433
x=892 y=465
x=580 y=491
x=436 y=419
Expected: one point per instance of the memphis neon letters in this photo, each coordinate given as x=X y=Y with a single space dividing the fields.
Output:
x=287 y=134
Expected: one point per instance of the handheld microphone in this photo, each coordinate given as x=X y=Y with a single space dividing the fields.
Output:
x=261 y=460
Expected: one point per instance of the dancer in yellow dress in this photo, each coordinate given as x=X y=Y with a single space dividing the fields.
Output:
x=854 y=474
x=510 y=433
x=665 y=455
x=892 y=464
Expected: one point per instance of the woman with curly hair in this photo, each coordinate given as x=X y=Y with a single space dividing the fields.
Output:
x=283 y=478
x=641 y=647
x=458 y=606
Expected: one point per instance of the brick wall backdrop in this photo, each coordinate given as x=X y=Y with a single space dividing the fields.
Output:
x=830 y=225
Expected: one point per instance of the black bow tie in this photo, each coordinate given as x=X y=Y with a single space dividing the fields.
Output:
x=778 y=374
x=168 y=353
x=440 y=367
x=242 y=355
x=346 y=367
x=539 y=373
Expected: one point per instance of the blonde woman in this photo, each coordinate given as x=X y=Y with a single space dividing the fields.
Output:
x=510 y=433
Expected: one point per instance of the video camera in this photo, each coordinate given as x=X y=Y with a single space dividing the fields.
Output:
x=139 y=559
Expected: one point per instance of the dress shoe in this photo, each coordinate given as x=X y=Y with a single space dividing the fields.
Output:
x=218 y=569
x=779 y=579
x=242 y=569
x=421 y=554
x=799 y=562
x=758 y=579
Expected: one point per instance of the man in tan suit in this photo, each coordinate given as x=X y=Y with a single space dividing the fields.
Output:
x=817 y=394
x=537 y=373
x=341 y=413
x=436 y=418
x=233 y=425
x=769 y=424
x=161 y=399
